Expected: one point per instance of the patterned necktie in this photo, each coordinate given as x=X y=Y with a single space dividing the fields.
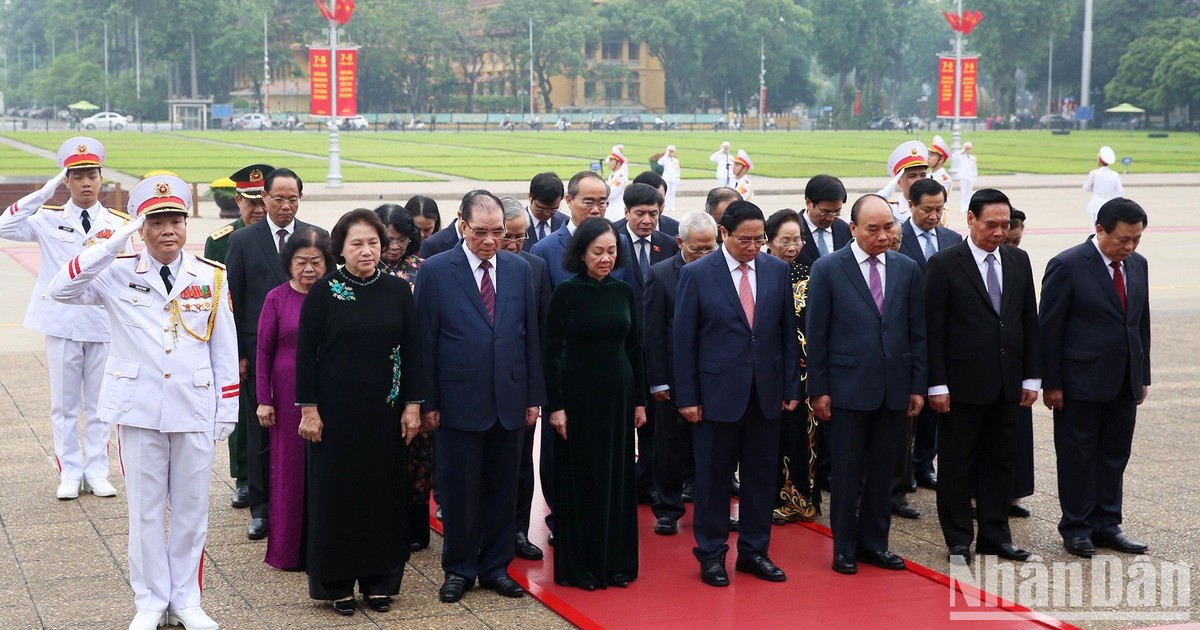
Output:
x=929 y=248
x=487 y=291
x=282 y=233
x=993 y=281
x=87 y=222
x=165 y=272
x=541 y=230
x=643 y=256
x=876 y=283
x=822 y=248
x=746 y=294
x=1119 y=283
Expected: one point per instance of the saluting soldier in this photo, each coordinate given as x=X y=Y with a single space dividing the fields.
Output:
x=171 y=387
x=741 y=171
x=251 y=208
x=76 y=336
x=618 y=181
x=908 y=163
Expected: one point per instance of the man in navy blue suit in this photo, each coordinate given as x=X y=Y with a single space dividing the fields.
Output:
x=665 y=224
x=672 y=435
x=866 y=372
x=824 y=231
x=1095 y=324
x=445 y=238
x=479 y=334
x=587 y=196
x=545 y=198
x=516 y=218
x=737 y=364
x=923 y=236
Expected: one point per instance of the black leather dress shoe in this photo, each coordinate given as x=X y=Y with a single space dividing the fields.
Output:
x=527 y=550
x=1008 y=551
x=344 y=607
x=240 y=497
x=845 y=564
x=735 y=487
x=257 y=530
x=927 y=480
x=733 y=524
x=760 y=567
x=1080 y=546
x=453 y=588
x=503 y=585
x=881 y=559
x=550 y=539
x=905 y=511
x=689 y=492
x=378 y=603
x=438 y=513
x=712 y=572
x=1018 y=511
x=666 y=526
x=619 y=580
x=1120 y=542
x=959 y=554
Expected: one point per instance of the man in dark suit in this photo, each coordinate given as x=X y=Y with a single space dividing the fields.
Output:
x=587 y=196
x=545 y=197
x=718 y=199
x=866 y=372
x=665 y=224
x=444 y=239
x=645 y=246
x=922 y=237
x=736 y=369
x=697 y=238
x=824 y=232
x=1095 y=322
x=984 y=364
x=254 y=269
x=479 y=334
x=515 y=233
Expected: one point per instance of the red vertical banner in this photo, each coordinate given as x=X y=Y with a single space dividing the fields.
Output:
x=968 y=102
x=347 y=82
x=318 y=81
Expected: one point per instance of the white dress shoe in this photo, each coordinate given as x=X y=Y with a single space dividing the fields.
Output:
x=193 y=618
x=100 y=487
x=68 y=489
x=148 y=620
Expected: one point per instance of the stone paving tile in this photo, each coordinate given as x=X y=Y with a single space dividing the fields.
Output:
x=532 y=617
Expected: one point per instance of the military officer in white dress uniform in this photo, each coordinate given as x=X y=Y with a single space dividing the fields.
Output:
x=907 y=163
x=76 y=336
x=618 y=181
x=171 y=387
x=741 y=170
x=939 y=152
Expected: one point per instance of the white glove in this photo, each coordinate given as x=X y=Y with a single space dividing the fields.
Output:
x=223 y=430
x=117 y=241
x=892 y=186
x=34 y=200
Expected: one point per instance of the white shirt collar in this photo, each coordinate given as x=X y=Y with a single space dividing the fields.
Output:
x=474 y=260
x=290 y=227
x=633 y=235
x=812 y=227
x=918 y=231
x=734 y=263
x=979 y=254
x=1107 y=261
x=175 y=265
x=861 y=256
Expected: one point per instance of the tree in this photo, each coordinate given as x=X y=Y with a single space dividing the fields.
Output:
x=561 y=28
x=1014 y=35
x=1178 y=74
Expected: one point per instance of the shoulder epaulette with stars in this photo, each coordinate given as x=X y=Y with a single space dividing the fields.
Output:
x=133 y=255
x=210 y=262
x=119 y=213
x=54 y=208
x=221 y=233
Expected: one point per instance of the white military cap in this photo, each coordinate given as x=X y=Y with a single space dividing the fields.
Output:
x=743 y=158
x=907 y=155
x=81 y=152
x=160 y=194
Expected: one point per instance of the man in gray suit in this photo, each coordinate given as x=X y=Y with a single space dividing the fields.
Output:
x=254 y=269
x=866 y=372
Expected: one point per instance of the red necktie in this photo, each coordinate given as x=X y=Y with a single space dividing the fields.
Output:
x=487 y=291
x=1119 y=283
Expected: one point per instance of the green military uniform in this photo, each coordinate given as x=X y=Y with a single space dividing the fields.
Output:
x=249 y=182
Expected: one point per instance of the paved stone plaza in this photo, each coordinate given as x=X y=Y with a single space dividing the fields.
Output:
x=63 y=563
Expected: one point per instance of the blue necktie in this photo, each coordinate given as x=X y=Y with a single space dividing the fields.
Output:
x=644 y=257
x=822 y=248
x=541 y=230
x=993 y=282
x=929 y=249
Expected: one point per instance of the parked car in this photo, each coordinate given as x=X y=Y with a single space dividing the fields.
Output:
x=354 y=123
x=625 y=122
x=105 y=120
x=1054 y=121
x=251 y=121
x=886 y=123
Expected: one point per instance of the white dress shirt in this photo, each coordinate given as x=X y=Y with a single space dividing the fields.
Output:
x=175 y=265
x=826 y=236
x=920 y=234
x=865 y=267
x=1108 y=264
x=476 y=272
x=290 y=228
x=736 y=275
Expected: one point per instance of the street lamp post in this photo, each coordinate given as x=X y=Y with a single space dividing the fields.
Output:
x=956 y=129
x=762 y=84
x=334 y=178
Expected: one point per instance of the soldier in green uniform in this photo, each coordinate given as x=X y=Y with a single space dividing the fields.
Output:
x=249 y=197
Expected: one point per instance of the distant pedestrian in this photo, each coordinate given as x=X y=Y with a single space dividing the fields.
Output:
x=671 y=175
x=1103 y=182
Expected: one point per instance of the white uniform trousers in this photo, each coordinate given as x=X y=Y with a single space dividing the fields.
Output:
x=76 y=370
x=669 y=202
x=966 y=188
x=164 y=567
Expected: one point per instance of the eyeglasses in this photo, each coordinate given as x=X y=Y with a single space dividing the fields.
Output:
x=403 y=241
x=290 y=201
x=481 y=233
x=589 y=203
x=700 y=251
x=757 y=240
x=830 y=213
x=789 y=242
x=515 y=239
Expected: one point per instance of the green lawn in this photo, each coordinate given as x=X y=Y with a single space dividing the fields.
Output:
x=495 y=156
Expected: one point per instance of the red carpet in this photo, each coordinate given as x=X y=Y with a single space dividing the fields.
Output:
x=668 y=592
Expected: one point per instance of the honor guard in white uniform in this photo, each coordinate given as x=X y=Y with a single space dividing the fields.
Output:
x=76 y=336
x=171 y=387
x=741 y=171
x=908 y=163
x=724 y=163
x=672 y=175
x=939 y=152
x=618 y=181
